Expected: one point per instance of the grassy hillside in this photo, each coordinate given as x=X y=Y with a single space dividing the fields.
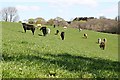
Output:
x=28 y=56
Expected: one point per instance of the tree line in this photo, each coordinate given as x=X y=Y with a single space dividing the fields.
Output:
x=10 y=14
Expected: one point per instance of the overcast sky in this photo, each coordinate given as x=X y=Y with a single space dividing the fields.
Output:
x=66 y=9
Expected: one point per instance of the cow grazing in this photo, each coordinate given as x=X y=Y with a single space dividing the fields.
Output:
x=102 y=45
x=39 y=25
x=105 y=40
x=54 y=26
x=57 y=31
x=44 y=30
x=62 y=35
x=28 y=27
x=99 y=40
x=80 y=29
x=65 y=27
x=85 y=36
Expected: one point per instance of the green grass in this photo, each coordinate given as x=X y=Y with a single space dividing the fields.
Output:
x=0 y=51
x=28 y=56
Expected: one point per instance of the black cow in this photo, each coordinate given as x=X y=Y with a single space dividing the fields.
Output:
x=102 y=45
x=57 y=31
x=28 y=27
x=105 y=40
x=85 y=36
x=44 y=30
x=62 y=35
x=54 y=26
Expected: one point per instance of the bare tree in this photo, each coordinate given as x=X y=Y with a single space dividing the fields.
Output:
x=16 y=18
x=9 y=13
x=12 y=13
x=102 y=17
x=4 y=14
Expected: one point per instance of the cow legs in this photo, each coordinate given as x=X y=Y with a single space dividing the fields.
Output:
x=62 y=37
x=44 y=33
x=25 y=30
x=103 y=47
x=33 y=31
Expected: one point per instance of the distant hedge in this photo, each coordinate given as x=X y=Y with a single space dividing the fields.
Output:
x=100 y=25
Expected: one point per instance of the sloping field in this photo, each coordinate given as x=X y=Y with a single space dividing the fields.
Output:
x=34 y=56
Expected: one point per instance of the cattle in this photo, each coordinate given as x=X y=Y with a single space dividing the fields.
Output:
x=44 y=30
x=80 y=29
x=102 y=45
x=28 y=27
x=105 y=40
x=85 y=36
x=39 y=25
x=65 y=27
x=99 y=40
x=48 y=30
x=62 y=35
x=57 y=31
x=54 y=26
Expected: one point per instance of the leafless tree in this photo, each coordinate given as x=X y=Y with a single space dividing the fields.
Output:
x=12 y=13
x=9 y=13
x=4 y=14
x=16 y=18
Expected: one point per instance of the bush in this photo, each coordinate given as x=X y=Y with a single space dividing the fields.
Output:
x=100 y=25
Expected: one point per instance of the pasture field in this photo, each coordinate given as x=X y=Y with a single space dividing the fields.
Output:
x=33 y=56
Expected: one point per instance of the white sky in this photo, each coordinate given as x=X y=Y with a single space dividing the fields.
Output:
x=66 y=9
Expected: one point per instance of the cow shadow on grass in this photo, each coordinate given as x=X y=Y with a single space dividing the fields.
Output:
x=71 y=63
x=40 y=35
x=21 y=31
